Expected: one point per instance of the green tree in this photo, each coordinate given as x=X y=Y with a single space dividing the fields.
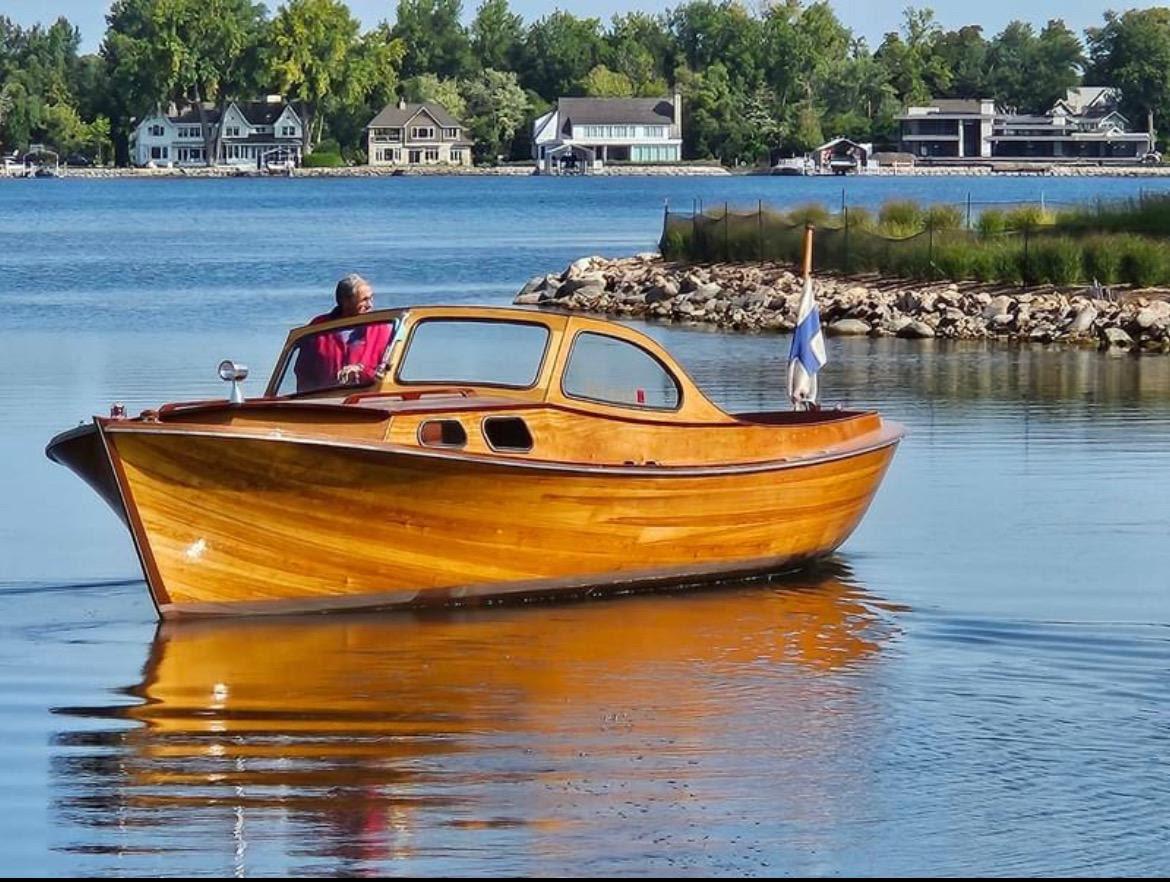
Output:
x=497 y=36
x=601 y=82
x=434 y=38
x=709 y=33
x=639 y=46
x=1132 y=51
x=429 y=87
x=314 y=48
x=63 y=128
x=1060 y=57
x=1011 y=65
x=496 y=109
x=186 y=51
x=914 y=65
x=965 y=54
x=559 y=52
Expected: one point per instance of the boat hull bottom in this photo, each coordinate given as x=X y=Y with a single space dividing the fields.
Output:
x=492 y=594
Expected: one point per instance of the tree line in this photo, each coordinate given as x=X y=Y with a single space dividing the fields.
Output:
x=786 y=77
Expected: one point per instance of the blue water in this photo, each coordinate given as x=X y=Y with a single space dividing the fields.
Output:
x=977 y=684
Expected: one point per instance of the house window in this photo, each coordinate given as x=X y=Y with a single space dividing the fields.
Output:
x=420 y=133
x=654 y=131
x=457 y=154
x=415 y=157
x=288 y=131
x=389 y=155
x=158 y=152
x=157 y=131
x=432 y=154
x=451 y=134
x=231 y=132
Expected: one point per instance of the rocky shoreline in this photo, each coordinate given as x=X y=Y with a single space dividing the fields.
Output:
x=764 y=297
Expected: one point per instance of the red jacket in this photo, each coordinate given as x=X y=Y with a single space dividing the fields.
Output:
x=322 y=355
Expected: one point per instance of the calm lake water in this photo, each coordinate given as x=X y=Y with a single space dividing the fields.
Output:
x=977 y=684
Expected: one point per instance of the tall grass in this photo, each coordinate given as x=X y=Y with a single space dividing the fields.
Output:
x=1021 y=245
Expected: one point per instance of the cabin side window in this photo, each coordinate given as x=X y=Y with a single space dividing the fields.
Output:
x=614 y=371
x=442 y=433
x=507 y=434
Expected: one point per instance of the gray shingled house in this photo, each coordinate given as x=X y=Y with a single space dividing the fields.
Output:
x=417 y=134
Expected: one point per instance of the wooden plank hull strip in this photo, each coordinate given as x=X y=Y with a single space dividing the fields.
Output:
x=231 y=523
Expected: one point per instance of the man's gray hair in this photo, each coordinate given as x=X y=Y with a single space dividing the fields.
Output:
x=348 y=287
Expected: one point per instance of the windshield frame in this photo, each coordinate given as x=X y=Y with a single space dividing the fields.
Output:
x=474 y=319
x=284 y=364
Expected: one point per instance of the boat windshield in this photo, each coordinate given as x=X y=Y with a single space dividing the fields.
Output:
x=346 y=357
x=474 y=352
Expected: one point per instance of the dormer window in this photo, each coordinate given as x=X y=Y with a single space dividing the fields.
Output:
x=231 y=131
x=157 y=131
x=288 y=131
x=451 y=133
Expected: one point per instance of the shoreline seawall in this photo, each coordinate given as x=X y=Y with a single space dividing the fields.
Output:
x=685 y=170
x=765 y=298
x=367 y=171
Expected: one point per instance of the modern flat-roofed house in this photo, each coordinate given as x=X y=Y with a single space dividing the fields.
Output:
x=584 y=133
x=254 y=132
x=405 y=134
x=1083 y=126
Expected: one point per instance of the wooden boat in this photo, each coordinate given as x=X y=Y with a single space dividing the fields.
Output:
x=478 y=453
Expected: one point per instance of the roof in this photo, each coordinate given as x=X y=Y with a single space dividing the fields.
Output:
x=1082 y=98
x=257 y=113
x=393 y=115
x=638 y=111
x=850 y=141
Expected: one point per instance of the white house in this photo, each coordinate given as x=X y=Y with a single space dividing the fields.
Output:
x=254 y=132
x=417 y=134
x=587 y=132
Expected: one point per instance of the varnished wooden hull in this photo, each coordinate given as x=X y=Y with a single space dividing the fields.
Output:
x=231 y=524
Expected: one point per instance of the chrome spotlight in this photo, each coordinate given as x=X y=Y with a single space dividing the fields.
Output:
x=233 y=373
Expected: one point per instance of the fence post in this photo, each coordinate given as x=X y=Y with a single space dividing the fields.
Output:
x=968 y=211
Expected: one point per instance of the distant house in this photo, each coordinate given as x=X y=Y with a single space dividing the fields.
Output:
x=1085 y=125
x=417 y=134
x=254 y=132
x=586 y=132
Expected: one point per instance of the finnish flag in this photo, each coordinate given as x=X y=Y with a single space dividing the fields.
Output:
x=807 y=355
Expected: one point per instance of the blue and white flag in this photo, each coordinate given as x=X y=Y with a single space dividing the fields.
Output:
x=807 y=355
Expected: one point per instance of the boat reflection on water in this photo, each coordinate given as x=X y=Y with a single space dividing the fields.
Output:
x=364 y=738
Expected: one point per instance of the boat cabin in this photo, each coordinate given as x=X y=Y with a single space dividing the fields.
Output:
x=516 y=382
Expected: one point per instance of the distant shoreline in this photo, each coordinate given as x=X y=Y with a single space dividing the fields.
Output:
x=697 y=170
x=368 y=171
